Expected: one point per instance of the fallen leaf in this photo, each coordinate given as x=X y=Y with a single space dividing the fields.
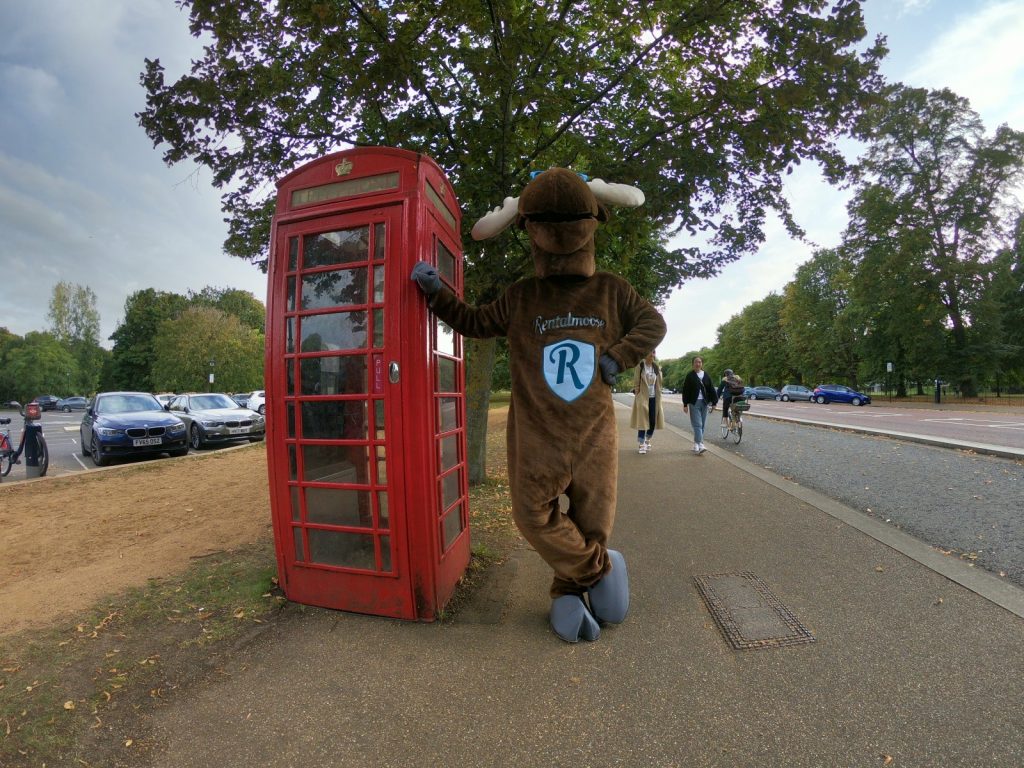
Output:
x=128 y=743
x=880 y=569
x=69 y=705
x=887 y=760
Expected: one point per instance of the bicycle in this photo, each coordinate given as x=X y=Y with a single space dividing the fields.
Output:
x=735 y=425
x=31 y=438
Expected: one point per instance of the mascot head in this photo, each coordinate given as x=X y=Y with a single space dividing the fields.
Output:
x=560 y=212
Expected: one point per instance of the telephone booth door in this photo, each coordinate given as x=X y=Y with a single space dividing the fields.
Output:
x=365 y=405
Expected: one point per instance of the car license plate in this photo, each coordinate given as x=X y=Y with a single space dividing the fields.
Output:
x=139 y=441
x=237 y=430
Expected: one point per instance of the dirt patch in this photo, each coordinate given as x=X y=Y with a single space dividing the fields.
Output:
x=68 y=541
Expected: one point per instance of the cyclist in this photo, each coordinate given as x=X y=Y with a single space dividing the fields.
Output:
x=730 y=389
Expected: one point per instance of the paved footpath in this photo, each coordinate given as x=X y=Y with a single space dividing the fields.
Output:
x=907 y=667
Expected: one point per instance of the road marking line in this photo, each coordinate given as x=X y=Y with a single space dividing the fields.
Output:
x=75 y=457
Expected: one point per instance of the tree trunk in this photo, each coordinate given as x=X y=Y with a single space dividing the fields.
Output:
x=479 y=370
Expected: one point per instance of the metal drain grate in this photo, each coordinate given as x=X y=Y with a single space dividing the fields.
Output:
x=748 y=612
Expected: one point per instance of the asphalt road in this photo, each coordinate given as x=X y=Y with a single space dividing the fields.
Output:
x=957 y=501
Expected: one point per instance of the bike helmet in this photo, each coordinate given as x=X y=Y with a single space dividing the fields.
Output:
x=728 y=372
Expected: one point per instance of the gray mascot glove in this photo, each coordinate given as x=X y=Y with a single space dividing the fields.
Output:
x=426 y=278
x=609 y=369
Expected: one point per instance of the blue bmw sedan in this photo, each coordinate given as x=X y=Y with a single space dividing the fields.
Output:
x=129 y=424
x=837 y=393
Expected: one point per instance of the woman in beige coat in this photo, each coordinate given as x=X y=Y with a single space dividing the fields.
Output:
x=648 y=414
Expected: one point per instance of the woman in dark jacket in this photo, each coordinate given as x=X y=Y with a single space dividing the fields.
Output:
x=699 y=398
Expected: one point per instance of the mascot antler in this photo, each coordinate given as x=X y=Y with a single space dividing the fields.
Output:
x=498 y=220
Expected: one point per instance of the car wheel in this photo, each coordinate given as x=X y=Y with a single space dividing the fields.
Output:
x=97 y=458
x=195 y=437
x=81 y=442
x=66 y=409
x=820 y=399
x=855 y=401
x=262 y=409
x=785 y=398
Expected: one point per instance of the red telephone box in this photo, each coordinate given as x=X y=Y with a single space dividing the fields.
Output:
x=366 y=440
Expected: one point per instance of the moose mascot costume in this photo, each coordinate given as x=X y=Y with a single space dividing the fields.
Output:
x=570 y=330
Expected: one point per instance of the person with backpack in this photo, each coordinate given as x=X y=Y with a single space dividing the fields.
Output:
x=699 y=399
x=730 y=389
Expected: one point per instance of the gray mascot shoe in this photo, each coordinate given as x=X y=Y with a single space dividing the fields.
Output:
x=571 y=620
x=609 y=598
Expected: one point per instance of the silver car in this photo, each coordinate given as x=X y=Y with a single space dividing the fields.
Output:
x=216 y=418
x=794 y=392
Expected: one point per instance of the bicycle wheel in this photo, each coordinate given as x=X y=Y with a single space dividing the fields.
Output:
x=6 y=462
x=738 y=434
x=725 y=429
x=44 y=454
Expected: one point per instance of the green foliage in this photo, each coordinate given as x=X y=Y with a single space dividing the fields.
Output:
x=150 y=342
x=706 y=107
x=36 y=365
x=185 y=346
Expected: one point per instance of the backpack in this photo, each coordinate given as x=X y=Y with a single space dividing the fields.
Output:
x=734 y=385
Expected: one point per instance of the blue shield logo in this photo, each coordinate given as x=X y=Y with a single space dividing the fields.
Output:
x=569 y=368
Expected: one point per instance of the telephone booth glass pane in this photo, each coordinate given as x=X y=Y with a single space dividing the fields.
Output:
x=447 y=417
x=339 y=506
x=446 y=264
x=343 y=246
x=349 y=550
x=446 y=375
x=445 y=338
x=338 y=287
x=300 y=554
x=289 y=305
x=334 y=419
x=451 y=489
x=293 y=254
x=333 y=332
x=334 y=375
x=335 y=464
x=453 y=526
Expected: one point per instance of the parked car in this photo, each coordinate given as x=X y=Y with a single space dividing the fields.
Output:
x=257 y=402
x=120 y=424
x=69 y=404
x=216 y=418
x=165 y=397
x=794 y=392
x=837 y=393
x=762 y=393
x=47 y=402
x=242 y=398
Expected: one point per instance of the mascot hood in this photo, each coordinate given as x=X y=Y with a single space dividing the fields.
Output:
x=560 y=214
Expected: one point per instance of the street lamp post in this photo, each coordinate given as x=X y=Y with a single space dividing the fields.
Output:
x=212 y=364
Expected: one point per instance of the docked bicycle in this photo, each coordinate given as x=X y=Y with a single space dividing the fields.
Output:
x=32 y=444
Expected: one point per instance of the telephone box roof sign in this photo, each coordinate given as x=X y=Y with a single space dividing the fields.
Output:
x=377 y=174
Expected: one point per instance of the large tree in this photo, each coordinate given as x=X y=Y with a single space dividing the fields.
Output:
x=705 y=105
x=75 y=322
x=134 y=349
x=943 y=195
x=203 y=340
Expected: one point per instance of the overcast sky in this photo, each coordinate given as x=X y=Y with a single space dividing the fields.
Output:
x=84 y=197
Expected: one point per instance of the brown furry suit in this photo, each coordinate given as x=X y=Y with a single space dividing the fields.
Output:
x=562 y=435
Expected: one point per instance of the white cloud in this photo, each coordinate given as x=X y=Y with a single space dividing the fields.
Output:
x=981 y=57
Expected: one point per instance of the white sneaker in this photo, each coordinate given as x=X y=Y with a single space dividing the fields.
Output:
x=696 y=448
x=642 y=448
x=702 y=448
x=647 y=446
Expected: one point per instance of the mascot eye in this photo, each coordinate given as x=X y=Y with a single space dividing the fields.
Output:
x=535 y=174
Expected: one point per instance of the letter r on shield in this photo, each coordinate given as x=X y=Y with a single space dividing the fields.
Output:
x=569 y=368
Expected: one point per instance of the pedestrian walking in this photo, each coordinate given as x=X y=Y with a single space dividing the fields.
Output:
x=699 y=398
x=648 y=414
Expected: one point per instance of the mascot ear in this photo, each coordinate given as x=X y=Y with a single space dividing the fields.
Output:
x=497 y=220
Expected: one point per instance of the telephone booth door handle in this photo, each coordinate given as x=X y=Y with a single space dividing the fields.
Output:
x=393 y=372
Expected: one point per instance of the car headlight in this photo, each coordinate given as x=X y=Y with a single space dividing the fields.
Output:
x=209 y=424
x=175 y=429
x=108 y=432
x=258 y=420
